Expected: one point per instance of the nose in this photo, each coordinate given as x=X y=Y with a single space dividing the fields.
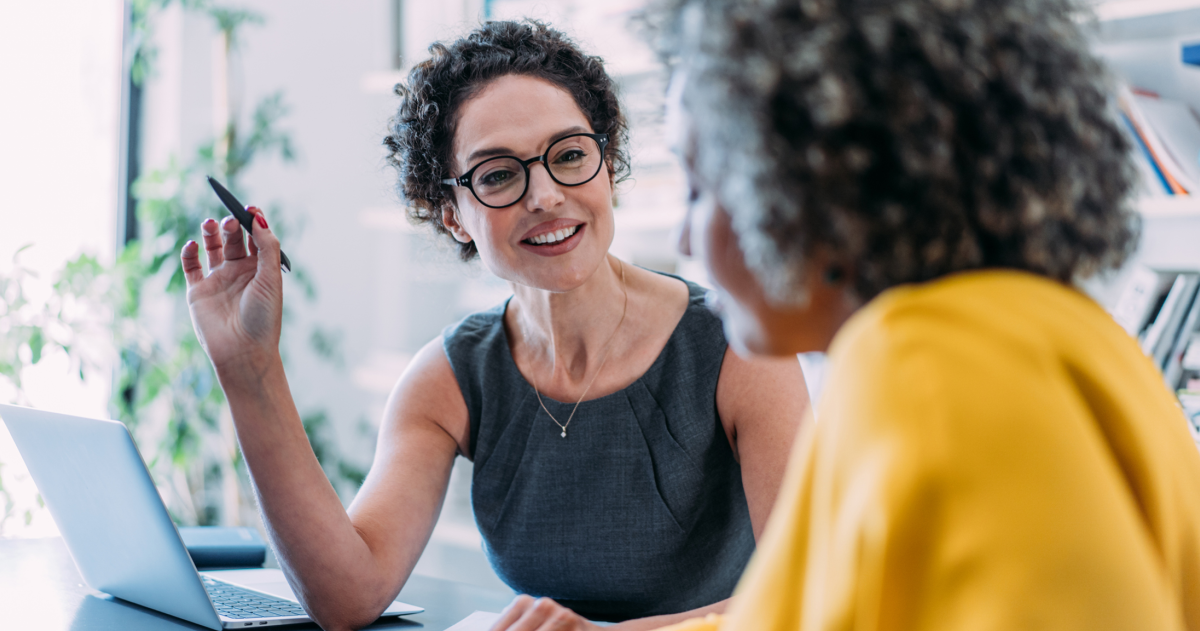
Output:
x=544 y=193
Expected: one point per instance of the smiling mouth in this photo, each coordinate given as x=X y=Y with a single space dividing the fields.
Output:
x=551 y=238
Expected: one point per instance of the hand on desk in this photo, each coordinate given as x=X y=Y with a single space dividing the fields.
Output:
x=527 y=613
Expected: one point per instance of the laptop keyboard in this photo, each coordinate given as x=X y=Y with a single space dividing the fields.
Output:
x=236 y=602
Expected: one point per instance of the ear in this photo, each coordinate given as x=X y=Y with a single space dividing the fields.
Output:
x=450 y=220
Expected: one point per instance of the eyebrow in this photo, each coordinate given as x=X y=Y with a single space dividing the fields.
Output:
x=492 y=152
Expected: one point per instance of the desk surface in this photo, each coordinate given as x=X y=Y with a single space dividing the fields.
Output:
x=41 y=589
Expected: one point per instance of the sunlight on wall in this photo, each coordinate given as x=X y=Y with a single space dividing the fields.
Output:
x=60 y=65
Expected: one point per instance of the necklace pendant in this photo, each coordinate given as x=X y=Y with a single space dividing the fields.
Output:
x=564 y=433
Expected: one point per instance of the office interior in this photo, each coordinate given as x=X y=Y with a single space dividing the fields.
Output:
x=86 y=145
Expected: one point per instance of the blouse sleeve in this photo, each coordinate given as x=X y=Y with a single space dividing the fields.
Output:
x=955 y=480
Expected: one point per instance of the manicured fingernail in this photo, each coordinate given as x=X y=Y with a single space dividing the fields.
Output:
x=208 y=226
x=189 y=243
x=262 y=222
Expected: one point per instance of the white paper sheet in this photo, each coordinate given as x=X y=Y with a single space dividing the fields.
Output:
x=478 y=621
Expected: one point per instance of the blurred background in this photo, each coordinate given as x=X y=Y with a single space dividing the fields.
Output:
x=113 y=114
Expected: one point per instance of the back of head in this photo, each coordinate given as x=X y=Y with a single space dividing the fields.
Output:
x=905 y=139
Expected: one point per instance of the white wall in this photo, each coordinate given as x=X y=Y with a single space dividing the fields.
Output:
x=59 y=124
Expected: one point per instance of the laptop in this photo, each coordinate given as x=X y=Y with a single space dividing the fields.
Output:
x=124 y=543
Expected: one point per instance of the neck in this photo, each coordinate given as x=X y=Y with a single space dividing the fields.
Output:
x=811 y=327
x=568 y=333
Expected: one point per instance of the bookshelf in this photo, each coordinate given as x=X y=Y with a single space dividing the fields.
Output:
x=1120 y=13
x=1141 y=40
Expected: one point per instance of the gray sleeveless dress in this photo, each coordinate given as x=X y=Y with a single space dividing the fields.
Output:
x=640 y=510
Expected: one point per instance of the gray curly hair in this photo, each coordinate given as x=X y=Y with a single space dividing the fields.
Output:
x=907 y=139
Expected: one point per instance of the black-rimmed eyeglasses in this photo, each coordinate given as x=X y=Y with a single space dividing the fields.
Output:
x=502 y=181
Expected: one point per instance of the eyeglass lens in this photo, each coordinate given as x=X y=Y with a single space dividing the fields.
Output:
x=571 y=161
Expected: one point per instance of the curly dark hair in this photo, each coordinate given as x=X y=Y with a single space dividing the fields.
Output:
x=422 y=131
x=906 y=139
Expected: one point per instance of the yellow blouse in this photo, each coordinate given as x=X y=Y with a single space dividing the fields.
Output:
x=992 y=452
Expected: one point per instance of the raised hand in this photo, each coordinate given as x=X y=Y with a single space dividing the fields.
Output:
x=237 y=309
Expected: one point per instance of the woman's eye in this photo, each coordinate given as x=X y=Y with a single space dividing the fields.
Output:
x=567 y=157
x=495 y=178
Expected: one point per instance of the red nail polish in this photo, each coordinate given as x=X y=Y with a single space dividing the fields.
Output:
x=262 y=223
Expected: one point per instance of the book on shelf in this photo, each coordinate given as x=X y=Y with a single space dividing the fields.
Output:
x=1158 y=336
x=1140 y=299
x=1162 y=310
x=1190 y=401
x=1173 y=367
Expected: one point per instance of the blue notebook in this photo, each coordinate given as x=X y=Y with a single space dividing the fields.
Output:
x=217 y=546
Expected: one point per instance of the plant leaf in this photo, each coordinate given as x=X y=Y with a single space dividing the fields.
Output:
x=36 y=342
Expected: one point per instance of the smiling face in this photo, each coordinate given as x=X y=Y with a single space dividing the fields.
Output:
x=556 y=236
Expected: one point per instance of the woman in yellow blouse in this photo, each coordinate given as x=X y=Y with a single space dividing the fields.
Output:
x=916 y=185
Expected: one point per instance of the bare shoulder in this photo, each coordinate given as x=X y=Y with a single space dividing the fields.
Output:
x=427 y=396
x=665 y=292
x=760 y=395
x=658 y=303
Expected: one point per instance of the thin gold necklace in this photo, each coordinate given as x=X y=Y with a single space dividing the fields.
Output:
x=607 y=348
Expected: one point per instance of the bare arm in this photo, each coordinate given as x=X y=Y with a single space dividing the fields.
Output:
x=761 y=402
x=345 y=568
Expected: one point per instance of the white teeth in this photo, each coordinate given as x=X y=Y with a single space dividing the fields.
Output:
x=554 y=237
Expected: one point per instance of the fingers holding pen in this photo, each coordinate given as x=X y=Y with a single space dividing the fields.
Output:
x=257 y=214
x=212 y=242
x=226 y=241
x=264 y=243
x=234 y=238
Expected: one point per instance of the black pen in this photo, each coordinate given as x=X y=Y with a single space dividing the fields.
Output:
x=246 y=219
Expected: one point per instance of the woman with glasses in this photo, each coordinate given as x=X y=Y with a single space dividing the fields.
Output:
x=624 y=459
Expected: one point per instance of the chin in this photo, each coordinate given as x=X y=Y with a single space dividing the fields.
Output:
x=557 y=275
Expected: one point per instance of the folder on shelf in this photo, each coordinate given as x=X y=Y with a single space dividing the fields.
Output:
x=1152 y=174
x=1176 y=126
x=1149 y=143
x=1166 y=135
